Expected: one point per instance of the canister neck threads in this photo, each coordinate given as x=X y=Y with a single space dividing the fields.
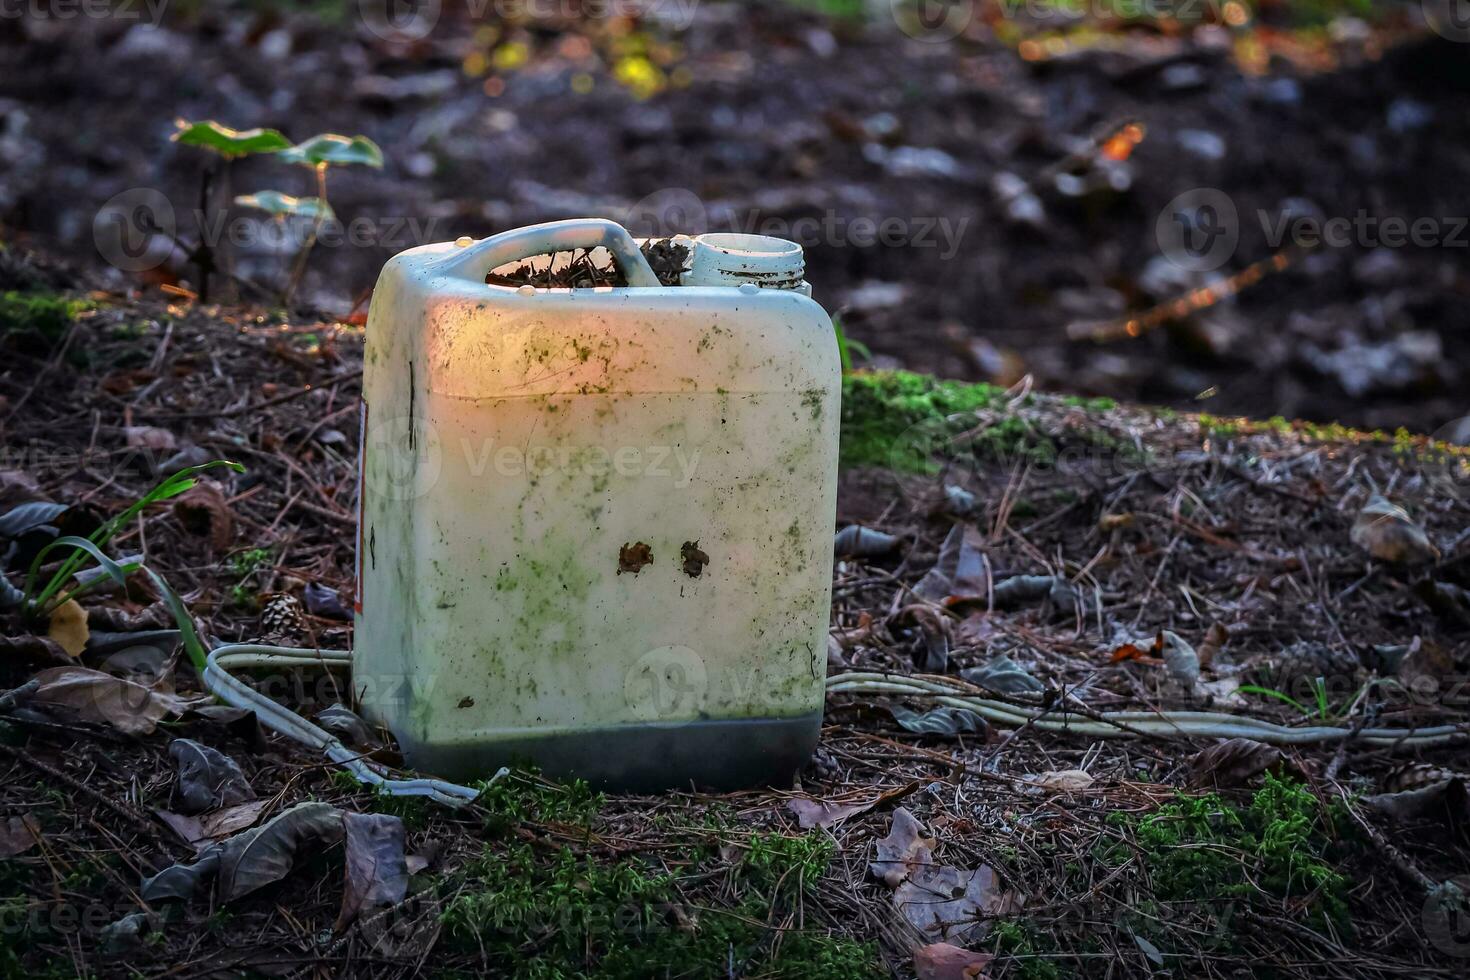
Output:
x=726 y=259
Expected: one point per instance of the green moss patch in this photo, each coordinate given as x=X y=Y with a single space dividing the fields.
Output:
x=1197 y=873
x=900 y=420
x=1280 y=854
x=704 y=899
x=913 y=423
x=37 y=313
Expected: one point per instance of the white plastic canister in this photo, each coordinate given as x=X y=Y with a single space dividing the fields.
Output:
x=596 y=524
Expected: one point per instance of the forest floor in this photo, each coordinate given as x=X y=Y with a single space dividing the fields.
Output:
x=1050 y=553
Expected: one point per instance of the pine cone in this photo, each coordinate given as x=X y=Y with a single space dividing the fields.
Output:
x=1413 y=776
x=281 y=619
x=1306 y=661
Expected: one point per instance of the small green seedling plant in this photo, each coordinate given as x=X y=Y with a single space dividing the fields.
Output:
x=227 y=145
x=846 y=346
x=41 y=597
x=318 y=154
x=1320 y=709
x=244 y=565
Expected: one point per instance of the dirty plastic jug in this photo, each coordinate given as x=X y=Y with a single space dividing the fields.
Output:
x=595 y=528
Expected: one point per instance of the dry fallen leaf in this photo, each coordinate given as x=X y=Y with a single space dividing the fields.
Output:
x=1004 y=676
x=18 y=835
x=68 y=627
x=97 y=697
x=33 y=649
x=324 y=601
x=266 y=854
x=377 y=872
x=961 y=572
x=203 y=510
x=1128 y=651
x=345 y=723
x=1061 y=781
x=821 y=813
x=902 y=850
x=941 y=721
x=207 y=778
x=941 y=902
x=856 y=541
x=941 y=961
x=974 y=630
x=201 y=830
x=1386 y=532
x=947 y=903
x=1414 y=775
x=1232 y=762
x=934 y=629
x=1426 y=666
x=251 y=859
x=1222 y=693
x=150 y=437
x=1446 y=801
x=1215 y=639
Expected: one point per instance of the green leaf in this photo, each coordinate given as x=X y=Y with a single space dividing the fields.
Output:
x=281 y=205
x=172 y=486
x=198 y=656
x=228 y=142
x=1267 y=692
x=846 y=346
x=331 y=148
x=118 y=573
x=169 y=487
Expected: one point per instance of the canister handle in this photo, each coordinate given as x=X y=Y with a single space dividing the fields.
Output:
x=476 y=260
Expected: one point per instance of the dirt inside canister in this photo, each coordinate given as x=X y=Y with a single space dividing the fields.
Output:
x=588 y=268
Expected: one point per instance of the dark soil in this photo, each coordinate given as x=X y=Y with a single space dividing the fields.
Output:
x=760 y=116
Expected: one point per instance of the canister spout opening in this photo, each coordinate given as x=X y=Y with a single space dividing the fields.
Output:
x=726 y=259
